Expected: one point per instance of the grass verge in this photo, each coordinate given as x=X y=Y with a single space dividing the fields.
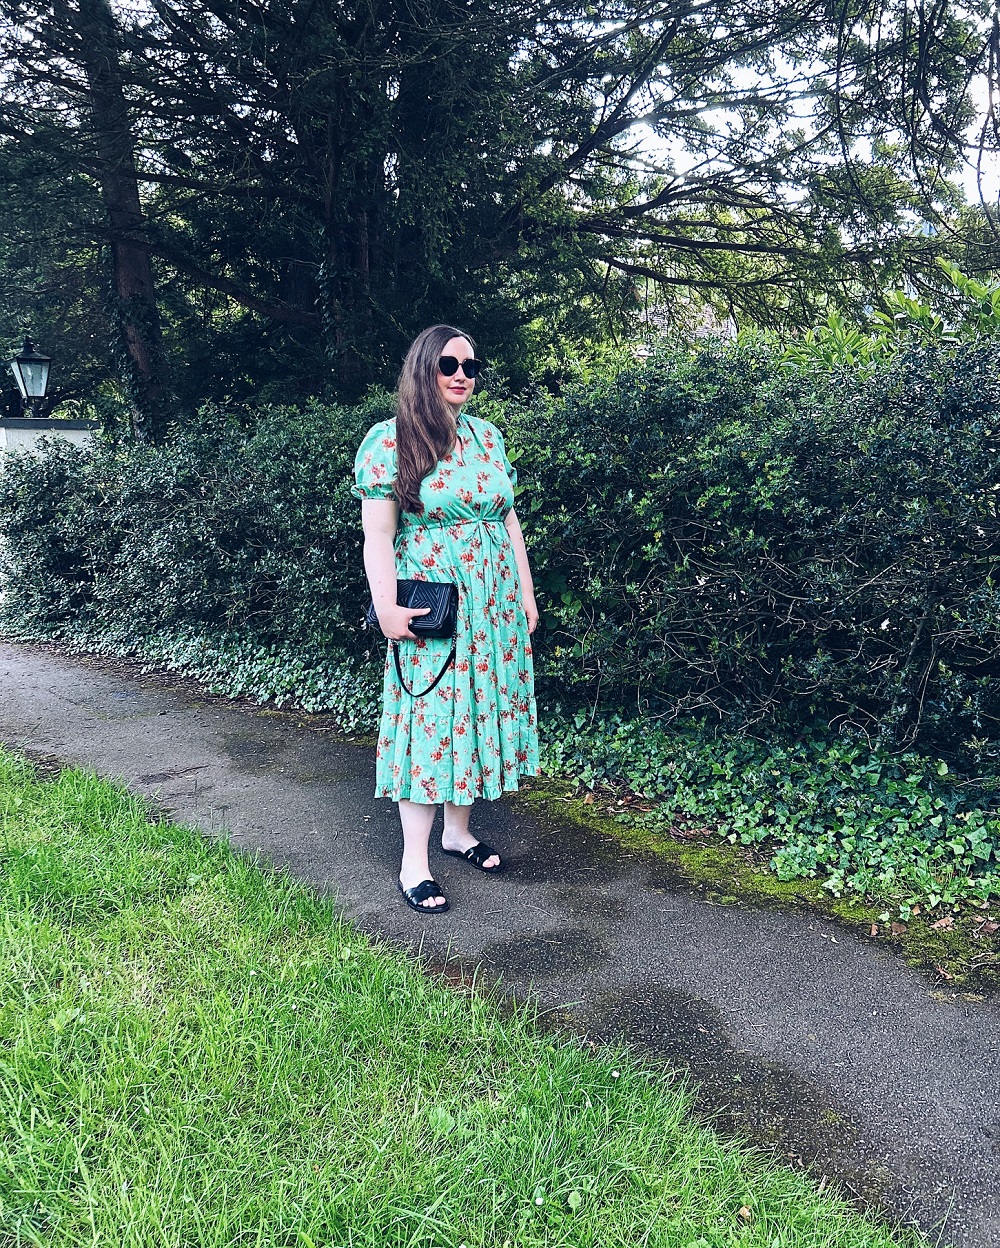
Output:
x=197 y=1052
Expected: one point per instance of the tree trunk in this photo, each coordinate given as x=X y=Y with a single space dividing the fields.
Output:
x=133 y=295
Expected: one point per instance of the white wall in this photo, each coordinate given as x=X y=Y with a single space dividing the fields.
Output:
x=22 y=434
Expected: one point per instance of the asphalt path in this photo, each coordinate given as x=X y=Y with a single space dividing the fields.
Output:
x=797 y=1035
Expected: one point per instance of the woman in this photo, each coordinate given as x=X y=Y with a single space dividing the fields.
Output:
x=437 y=495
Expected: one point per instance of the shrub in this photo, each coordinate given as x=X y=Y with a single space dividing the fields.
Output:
x=717 y=534
x=224 y=529
x=713 y=532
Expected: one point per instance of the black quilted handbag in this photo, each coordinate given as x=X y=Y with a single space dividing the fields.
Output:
x=440 y=621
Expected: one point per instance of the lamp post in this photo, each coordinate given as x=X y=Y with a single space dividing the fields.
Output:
x=31 y=372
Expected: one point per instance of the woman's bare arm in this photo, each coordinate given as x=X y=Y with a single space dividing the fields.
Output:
x=379 y=518
x=513 y=527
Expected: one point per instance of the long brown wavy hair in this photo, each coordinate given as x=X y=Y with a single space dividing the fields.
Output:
x=425 y=423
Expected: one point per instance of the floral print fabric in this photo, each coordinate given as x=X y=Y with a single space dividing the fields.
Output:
x=475 y=733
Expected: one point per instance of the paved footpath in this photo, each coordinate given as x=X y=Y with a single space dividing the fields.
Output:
x=797 y=1034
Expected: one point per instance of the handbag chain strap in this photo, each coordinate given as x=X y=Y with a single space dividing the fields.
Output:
x=399 y=672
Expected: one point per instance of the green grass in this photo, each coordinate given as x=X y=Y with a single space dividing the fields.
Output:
x=197 y=1052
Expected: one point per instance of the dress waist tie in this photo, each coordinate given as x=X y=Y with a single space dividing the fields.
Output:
x=496 y=533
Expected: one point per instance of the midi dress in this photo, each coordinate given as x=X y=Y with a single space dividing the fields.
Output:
x=475 y=734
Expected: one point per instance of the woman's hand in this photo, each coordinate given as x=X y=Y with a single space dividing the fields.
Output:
x=394 y=622
x=531 y=611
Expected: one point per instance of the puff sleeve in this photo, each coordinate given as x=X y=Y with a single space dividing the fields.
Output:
x=375 y=463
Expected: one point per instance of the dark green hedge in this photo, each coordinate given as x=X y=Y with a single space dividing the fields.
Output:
x=229 y=530
x=719 y=535
x=712 y=532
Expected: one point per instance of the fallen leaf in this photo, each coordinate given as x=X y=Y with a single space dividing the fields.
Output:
x=898 y=929
x=745 y=1212
x=947 y=921
x=588 y=799
x=989 y=927
x=686 y=833
x=874 y=931
x=943 y=973
x=916 y=909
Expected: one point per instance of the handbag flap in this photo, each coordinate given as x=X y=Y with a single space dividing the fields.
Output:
x=436 y=595
x=440 y=596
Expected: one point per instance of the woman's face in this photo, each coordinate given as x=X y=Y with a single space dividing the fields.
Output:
x=457 y=388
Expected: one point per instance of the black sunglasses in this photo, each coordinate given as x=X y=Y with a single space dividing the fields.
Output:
x=448 y=365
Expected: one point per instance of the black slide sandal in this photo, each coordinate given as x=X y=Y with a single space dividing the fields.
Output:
x=477 y=855
x=420 y=892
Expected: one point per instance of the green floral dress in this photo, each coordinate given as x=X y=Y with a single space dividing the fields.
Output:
x=475 y=733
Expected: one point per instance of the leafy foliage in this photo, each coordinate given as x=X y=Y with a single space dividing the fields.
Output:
x=861 y=820
x=970 y=309
x=226 y=528
x=714 y=532
x=314 y=183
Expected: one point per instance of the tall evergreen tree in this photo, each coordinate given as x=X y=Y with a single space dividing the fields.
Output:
x=318 y=179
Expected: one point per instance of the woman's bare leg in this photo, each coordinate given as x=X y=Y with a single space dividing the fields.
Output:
x=416 y=818
x=457 y=834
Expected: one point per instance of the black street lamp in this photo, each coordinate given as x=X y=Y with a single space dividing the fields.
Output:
x=31 y=372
